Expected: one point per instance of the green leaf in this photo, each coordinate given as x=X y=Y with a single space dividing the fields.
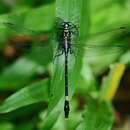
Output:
x=84 y=17
x=56 y=101
x=34 y=93
x=57 y=83
x=98 y=116
x=64 y=10
x=85 y=20
x=22 y=20
x=18 y=73
x=51 y=117
x=57 y=86
x=15 y=75
x=111 y=82
x=41 y=55
x=108 y=14
x=43 y=18
x=80 y=126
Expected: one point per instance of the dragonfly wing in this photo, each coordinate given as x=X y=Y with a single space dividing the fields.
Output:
x=26 y=38
x=116 y=37
x=116 y=32
x=99 y=58
x=97 y=52
x=23 y=48
x=102 y=46
x=116 y=40
x=21 y=30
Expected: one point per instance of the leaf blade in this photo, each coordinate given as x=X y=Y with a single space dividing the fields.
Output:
x=26 y=96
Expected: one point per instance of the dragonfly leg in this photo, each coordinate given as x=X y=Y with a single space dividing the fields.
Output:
x=58 y=54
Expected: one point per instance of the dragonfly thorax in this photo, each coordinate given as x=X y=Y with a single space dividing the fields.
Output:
x=66 y=30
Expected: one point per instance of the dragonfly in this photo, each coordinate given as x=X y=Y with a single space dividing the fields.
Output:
x=67 y=34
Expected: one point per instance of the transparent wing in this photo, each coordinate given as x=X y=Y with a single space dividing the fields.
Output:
x=24 y=38
x=92 y=54
x=115 y=39
x=105 y=43
x=21 y=30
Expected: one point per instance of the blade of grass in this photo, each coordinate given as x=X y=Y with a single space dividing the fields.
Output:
x=34 y=93
x=64 y=11
x=85 y=19
x=111 y=83
x=24 y=17
x=95 y=119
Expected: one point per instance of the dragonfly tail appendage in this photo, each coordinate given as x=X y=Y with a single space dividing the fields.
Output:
x=66 y=108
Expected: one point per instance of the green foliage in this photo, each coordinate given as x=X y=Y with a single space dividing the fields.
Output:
x=28 y=95
x=33 y=77
x=98 y=116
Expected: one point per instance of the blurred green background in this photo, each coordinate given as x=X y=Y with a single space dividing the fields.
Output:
x=32 y=84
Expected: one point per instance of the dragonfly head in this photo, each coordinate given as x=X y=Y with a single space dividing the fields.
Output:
x=66 y=25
